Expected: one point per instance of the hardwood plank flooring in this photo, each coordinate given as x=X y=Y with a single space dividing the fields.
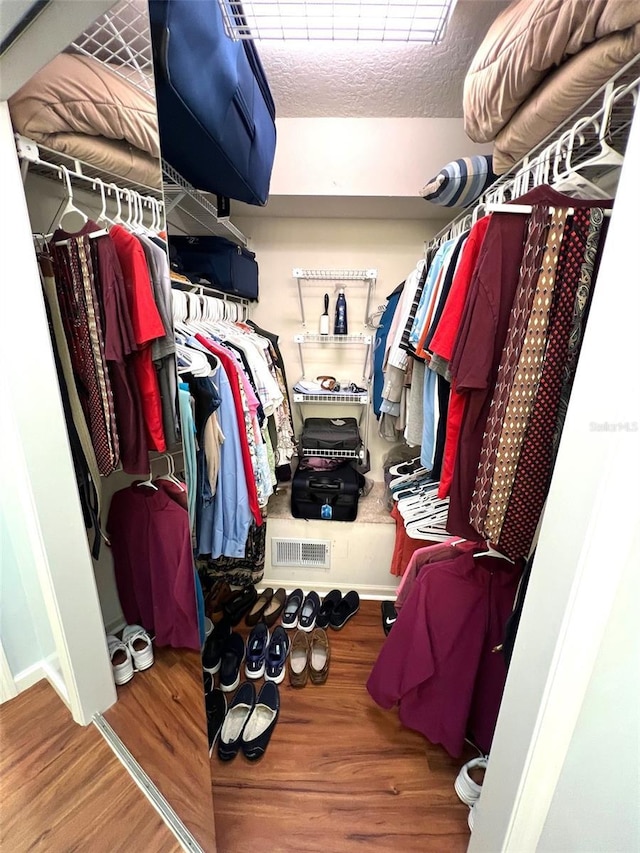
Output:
x=62 y=789
x=341 y=774
x=160 y=716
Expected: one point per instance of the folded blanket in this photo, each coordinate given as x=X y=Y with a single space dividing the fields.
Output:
x=81 y=107
x=525 y=43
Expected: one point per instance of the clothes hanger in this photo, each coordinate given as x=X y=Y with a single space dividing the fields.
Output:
x=491 y=552
x=148 y=483
x=170 y=475
x=118 y=220
x=70 y=209
x=102 y=216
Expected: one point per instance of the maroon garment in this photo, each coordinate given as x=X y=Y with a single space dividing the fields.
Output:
x=438 y=553
x=481 y=339
x=120 y=346
x=437 y=662
x=151 y=544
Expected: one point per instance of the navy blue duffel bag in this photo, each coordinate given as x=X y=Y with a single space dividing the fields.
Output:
x=228 y=267
x=215 y=110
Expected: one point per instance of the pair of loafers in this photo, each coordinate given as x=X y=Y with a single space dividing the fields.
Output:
x=231 y=605
x=250 y=722
x=267 y=607
x=336 y=609
x=301 y=611
x=310 y=658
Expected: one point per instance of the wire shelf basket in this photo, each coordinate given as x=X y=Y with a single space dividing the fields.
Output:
x=331 y=398
x=310 y=338
x=333 y=454
x=334 y=275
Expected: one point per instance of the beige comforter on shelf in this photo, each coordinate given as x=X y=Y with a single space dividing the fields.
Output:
x=80 y=107
x=531 y=39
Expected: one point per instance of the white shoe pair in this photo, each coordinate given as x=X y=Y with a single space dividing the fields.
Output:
x=468 y=790
x=133 y=653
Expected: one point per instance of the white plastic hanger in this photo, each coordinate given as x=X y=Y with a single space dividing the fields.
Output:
x=118 y=220
x=491 y=552
x=171 y=474
x=70 y=209
x=148 y=483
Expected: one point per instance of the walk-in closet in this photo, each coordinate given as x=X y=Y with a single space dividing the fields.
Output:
x=319 y=422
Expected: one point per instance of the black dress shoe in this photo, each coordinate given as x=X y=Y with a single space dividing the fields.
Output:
x=326 y=608
x=235 y=721
x=216 y=704
x=242 y=601
x=261 y=723
x=232 y=656
x=292 y=609
x=389 y=615
x=308 y=612
x=343 y=611
x=212 y=652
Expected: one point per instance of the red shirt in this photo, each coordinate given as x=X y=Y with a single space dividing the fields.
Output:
x=147 y=326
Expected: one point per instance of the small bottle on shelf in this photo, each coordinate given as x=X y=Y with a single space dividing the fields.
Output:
x=340 y=327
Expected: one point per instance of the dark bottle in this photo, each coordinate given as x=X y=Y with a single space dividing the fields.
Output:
x=340 y=327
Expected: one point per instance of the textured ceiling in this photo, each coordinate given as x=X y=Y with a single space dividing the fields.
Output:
x=378 y=80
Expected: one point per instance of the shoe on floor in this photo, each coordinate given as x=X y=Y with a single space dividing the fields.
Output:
x=257 y=646
x=121 y=660
x=139 y=644
x=275 y=607
x=216 y=705
x=330 y=600
x=212 y=652
x=242 y=601
x=308 y=612
x=215 y=600
x=277 y=656
x=467 y=790
x=255 y=613
x=347 y=608
x=299 y=660
x=232 y=656
x=319 y=656
x=230 y=739
x=260 y=725
x=389 y=615
x=292 y=609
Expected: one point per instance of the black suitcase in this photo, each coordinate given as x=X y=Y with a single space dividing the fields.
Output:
x=330 y=434
x=228 y=267
x=329 y=495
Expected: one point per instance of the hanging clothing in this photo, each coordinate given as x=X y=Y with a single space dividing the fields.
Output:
x=188 y=448
x=380 y=344
x=437 y=663
x=153 y=563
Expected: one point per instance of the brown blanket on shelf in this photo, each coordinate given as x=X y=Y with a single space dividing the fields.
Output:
x=528 y=41
x=561 y=94
x=82 y=108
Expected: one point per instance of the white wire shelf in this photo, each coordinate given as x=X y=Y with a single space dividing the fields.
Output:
x=333 y=454
x=334 y=275
x=331 y=398
x=311 y=338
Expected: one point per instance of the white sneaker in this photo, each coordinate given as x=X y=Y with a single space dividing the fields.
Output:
x=139 y=644
x=466 y=789
x=121 y=662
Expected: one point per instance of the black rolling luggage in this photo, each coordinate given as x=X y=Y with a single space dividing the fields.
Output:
x=327 y=495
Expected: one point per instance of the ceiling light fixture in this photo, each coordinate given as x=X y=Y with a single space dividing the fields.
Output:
x=422 y=21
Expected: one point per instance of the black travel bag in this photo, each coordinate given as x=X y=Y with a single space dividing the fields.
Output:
x=229 y=268
x=330 y=434
x=327 y=495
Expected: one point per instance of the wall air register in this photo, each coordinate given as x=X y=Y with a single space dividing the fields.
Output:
x=301 y=553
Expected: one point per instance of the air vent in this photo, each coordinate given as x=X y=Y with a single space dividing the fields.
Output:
x=305 y=553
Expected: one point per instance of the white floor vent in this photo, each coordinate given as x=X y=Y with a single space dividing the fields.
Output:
x=305 y=553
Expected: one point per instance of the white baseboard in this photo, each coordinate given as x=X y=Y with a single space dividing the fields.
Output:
x=45 y=668
x=26 y=678
x=365 y=591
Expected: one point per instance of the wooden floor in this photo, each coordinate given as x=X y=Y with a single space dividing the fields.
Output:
x=160 y=717
x=62 y=789
x=341 y=774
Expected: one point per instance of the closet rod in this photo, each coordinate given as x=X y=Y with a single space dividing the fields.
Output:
x=606 y=116
x=210 y=291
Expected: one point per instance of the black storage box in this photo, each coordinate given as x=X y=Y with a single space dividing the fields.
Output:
x=330 y=434
x=326 y=495
x=228 y=267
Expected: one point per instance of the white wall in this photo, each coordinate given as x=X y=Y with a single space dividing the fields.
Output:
x=365 y=156
x=393 y=247
x=595 y=807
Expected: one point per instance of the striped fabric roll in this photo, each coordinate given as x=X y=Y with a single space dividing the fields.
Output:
x=460 y=182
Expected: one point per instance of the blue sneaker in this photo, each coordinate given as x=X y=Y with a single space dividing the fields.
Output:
x=277 y=656
x=257 y=646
